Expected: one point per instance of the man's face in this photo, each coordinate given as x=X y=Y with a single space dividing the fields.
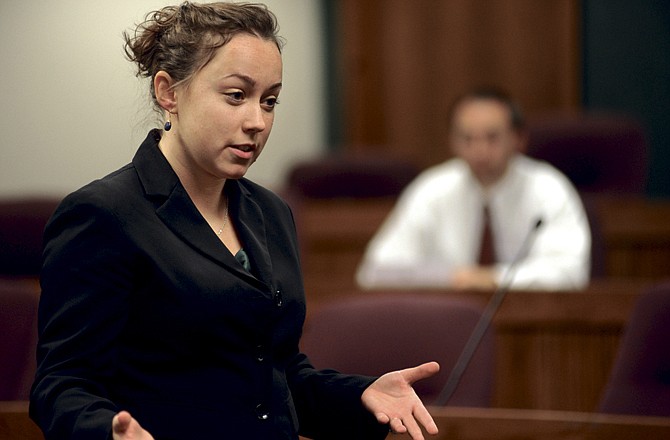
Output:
x=483 y=136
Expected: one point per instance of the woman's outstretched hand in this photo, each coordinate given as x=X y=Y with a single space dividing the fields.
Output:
x=392 y=400
x=125 y=427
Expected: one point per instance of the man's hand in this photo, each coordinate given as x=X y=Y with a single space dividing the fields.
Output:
x=476 y=277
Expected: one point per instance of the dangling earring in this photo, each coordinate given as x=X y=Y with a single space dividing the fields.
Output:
x=168 y=124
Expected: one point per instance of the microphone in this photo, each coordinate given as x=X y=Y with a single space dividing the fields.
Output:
x=486 y=318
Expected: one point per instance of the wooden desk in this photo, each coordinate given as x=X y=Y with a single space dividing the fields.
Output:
x=15 y=423
x=333 y=236
x=509 y=424
x=636 y=235
x=334 y=232
x=554 y=350
x=456 y=424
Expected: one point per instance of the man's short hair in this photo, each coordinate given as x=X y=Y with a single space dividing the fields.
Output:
x=495 y=94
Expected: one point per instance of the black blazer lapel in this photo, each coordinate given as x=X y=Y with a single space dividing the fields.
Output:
x=251 y=225
x=180 y=215
x=176 y=209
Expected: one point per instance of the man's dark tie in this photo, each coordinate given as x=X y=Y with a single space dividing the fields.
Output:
x=487 y=251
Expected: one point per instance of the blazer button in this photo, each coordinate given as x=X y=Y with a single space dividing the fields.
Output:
x=262 y=413
x=260 y=353
x=279 y=300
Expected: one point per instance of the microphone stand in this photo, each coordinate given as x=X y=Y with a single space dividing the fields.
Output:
x=484 y=321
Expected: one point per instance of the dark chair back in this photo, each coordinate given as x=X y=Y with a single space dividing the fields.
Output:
x=18 y=337
x=374 y=333
x=640 y=380
x=599 y=152
x=22 y=223
x=350 y=176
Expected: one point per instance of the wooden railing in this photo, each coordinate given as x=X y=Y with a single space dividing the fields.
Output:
x=635 y=234
x=554 y=350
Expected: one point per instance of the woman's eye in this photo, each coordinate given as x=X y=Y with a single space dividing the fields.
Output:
x=270 y=103
x=235 y=96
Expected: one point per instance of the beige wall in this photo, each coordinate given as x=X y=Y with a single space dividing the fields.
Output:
x=73 y=111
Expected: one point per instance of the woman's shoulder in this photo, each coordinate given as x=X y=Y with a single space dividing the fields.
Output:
x=108 y=193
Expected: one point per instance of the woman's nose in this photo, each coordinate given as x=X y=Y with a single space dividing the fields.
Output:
x=255 y=119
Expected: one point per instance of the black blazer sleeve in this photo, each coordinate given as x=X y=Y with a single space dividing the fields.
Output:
x=329 y=404
x=83 y=308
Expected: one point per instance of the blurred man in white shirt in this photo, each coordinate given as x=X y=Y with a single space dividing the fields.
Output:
x=433 y=236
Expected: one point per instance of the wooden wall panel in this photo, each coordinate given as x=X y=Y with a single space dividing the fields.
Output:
x=403 y=62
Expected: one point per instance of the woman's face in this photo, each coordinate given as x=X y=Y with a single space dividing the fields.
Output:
x=224 y=115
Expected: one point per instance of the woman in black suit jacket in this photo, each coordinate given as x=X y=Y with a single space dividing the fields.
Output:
x=172 y=301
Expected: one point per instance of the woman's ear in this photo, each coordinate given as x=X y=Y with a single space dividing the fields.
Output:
x=165 y=95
